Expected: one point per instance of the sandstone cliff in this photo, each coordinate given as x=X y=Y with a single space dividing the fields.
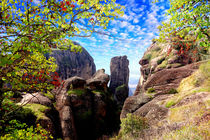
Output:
x=119 y=78
x=171 y=100
x=74 y=64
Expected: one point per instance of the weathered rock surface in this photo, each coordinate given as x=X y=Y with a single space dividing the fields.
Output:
x=119 y=76
x=99 y=80
x=167 y=79
x=74 y=64
x=36 y=98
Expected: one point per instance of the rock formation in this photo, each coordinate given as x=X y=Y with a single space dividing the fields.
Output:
x=74 y=64
x=169 y=86
x=84 y=107
x=119 y=78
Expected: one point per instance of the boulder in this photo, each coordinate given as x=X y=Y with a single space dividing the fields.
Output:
x=99 y=80
x=133 y=103
x=74 y=82
x=36 y=98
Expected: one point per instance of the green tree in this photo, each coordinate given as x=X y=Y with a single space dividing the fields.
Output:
x=188 y=22
x=28 y=30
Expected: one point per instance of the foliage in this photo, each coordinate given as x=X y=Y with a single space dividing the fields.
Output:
x=30 y=30
x=188 y=27
x=29 y=133
x=150 y=90
x=78 y=92
x=132 y=124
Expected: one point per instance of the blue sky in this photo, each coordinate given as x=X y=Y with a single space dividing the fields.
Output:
x=136 y=28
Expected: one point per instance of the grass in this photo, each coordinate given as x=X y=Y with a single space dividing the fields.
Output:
x=163 y=64
x=160 y=60
x=150 y=90
x=170 y=104
x=38 y=110
x=78 y=92
x=189 y=132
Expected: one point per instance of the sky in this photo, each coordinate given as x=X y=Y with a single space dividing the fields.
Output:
x=135 y=29
x=132 y=35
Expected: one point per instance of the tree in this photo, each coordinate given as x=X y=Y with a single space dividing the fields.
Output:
x=188 y=25
x=28 y=30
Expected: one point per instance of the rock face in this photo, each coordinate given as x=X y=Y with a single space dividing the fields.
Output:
x=119 y=77
x=74 y=64
x=168 y=88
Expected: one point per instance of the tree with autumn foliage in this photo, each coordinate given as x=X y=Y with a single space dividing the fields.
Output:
x=187 y=29
x=30 y=29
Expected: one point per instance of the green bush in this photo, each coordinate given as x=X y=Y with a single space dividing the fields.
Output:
x=172 y=91
x=132 y=124
x=150 y=90
x=27 y=133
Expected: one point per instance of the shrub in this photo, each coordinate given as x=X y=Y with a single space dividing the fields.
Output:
x=170 y=103
x=133 y=124
x=150 y=90
x=29 y=133
x=172 y=91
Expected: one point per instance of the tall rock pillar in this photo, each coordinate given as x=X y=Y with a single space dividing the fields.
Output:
x=119 y=78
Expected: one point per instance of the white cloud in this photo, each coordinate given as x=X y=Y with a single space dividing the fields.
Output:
x=36 y=1
x=135 y=20
x=123 y=24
